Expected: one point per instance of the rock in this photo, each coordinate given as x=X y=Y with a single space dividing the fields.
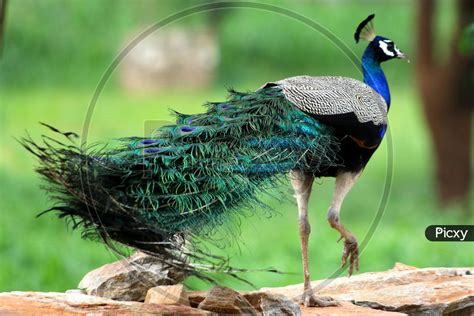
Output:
x=167 y=295
x=286 y=306
x=196 y=297
x=403 y=289
x=223 y=300
x=429 y=291
x=128 y=279
x=274 y=304
x=346 y=309
x=37 y=303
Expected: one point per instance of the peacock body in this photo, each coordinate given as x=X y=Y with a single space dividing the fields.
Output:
x=159 y=194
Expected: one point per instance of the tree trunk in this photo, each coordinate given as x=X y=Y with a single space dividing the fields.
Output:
x=447 y=93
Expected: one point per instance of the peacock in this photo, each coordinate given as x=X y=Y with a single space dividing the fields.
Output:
x=167 y=194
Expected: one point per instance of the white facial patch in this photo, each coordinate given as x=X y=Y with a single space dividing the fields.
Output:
x=384 y=46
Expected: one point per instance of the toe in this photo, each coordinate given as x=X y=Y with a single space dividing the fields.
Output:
x=351 y=254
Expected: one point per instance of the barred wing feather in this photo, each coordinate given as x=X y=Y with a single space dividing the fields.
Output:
x=329 y=96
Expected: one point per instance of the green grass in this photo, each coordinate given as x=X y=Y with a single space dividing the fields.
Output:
x=42 y=254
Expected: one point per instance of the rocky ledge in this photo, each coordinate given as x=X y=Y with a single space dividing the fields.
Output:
x=399 y=291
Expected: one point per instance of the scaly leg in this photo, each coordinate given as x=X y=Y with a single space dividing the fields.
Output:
x=344 y=182
x=302 y=184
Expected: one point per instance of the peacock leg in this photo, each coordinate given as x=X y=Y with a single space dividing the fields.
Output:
x=302 y=184
x=344 y=182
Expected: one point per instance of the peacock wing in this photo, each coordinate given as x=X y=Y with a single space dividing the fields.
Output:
x=347 y=104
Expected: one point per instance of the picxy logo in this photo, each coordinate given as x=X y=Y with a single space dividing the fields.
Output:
x=450 y=232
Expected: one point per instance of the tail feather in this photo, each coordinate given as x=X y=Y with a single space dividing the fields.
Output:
x=161 y=194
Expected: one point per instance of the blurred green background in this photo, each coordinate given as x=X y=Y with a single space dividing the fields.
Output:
x=54 y=54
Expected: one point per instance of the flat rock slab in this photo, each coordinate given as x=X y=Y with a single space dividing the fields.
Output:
x=266 y=303
x=402 y=290
x=345 y=309
x=430 y=291
x=37 y=303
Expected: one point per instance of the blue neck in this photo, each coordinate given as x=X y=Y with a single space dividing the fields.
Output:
x=373 y=74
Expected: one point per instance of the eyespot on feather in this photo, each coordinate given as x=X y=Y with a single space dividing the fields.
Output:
x=148 y=141
x=187 y=129
x=225 y=106
x=152 y=150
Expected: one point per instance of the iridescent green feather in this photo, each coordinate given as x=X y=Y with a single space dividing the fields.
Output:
x=158 y=194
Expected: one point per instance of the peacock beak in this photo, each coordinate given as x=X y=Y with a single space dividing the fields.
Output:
x=402 y=55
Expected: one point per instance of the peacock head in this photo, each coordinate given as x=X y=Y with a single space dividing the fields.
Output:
x=380 y=48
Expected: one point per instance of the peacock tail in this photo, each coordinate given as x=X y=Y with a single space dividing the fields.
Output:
x=163 y=193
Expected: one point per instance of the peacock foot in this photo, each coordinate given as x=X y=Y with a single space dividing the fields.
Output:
x=351 y=253
x=308 y=299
